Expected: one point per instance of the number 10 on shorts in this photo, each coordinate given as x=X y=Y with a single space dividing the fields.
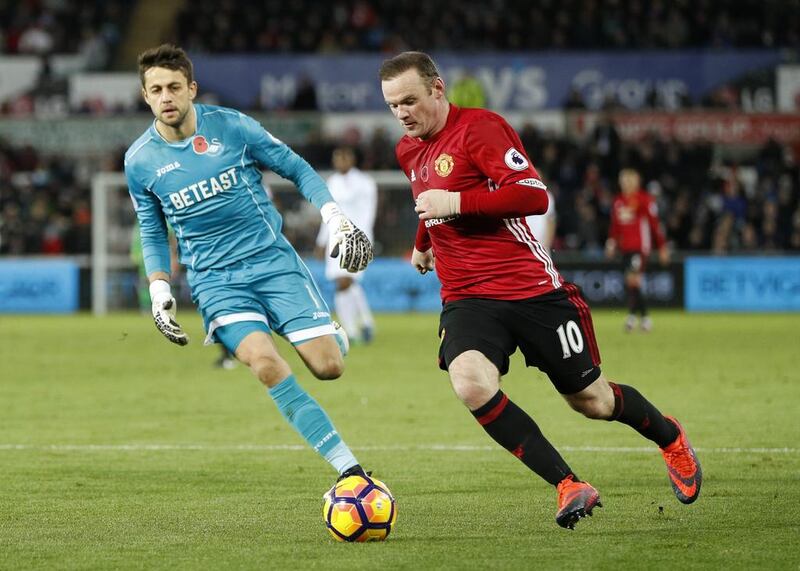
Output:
x=571 y=339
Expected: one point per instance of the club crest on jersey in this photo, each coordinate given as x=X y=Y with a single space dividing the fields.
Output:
x=443 y=165
x=200 y=145
x=515 y=160
x=215 y=147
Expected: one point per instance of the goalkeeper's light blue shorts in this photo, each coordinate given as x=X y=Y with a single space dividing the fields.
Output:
x=271 y=291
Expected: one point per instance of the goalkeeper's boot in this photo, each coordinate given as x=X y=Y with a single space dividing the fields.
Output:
x=683 y=467
x=356 y=470
x=575 y=500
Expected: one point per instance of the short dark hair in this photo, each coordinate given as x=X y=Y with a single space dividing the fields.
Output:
x=169 y=56
x=402 y=62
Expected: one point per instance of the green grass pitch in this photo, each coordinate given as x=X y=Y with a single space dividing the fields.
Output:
x=121 y=451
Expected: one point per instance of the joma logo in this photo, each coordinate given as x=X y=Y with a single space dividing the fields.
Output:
x=166 y=168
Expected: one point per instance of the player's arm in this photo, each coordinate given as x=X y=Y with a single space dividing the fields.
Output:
x=611 y=248
x=346 y=241
x=511 y=200
x=495 y=149
x=422 y=257
x=156 y=253
x=657 y=232
x=613 y=234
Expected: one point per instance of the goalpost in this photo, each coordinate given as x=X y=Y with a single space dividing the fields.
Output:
x=110 y=252
x=114 y=275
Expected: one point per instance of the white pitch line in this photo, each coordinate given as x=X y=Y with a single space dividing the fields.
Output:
x=398 y=448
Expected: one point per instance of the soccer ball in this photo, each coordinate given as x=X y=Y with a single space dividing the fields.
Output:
x=359 y=508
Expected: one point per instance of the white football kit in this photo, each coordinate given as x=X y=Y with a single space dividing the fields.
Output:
x=357 y=196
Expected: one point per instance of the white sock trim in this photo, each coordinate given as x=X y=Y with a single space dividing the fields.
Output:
x=341 y=458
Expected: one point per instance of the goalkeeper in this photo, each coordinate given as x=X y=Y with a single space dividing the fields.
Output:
x=198 y=167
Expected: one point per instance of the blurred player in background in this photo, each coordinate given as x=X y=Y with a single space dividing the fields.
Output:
x=357 y=195
x=473 y=184
x=543 y=226
x=634 y=228
x=198 y=166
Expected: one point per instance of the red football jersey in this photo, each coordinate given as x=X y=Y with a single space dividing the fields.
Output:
x=480 y=255
x=635 y=224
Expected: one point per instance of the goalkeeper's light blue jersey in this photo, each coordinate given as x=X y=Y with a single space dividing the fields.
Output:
x=209 y=189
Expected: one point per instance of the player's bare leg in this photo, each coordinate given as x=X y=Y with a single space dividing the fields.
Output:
x=323 y=357
x=610 y=401
x=258 y=351
x=633 y=285
x=474 y=378
x=476 y=382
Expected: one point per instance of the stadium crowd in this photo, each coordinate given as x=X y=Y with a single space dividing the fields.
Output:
x=384 y=25
x=90 y=28
x=706 y=203
x=44 y=203
x=95 y=27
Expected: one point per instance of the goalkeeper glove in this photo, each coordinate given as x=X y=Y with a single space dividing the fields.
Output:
x=164 y=308
x=346 y=241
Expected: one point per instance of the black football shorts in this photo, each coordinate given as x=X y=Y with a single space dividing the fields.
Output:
x=553 y=331
x=634 y=262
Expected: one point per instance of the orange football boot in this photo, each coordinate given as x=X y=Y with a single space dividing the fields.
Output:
x=575 y=500
x=683 y=467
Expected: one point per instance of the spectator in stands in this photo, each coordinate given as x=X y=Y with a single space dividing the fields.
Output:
x=794 y=237
x=305 y=95
x=94 y=50
x=36 y=39
x=606 y=145
x=52 y=27
x=369 y=25
x=574 y=100
x=467 y=91
x=695 y=199
x=379 y=151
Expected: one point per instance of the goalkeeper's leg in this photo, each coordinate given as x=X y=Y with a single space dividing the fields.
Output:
x=258 y=351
